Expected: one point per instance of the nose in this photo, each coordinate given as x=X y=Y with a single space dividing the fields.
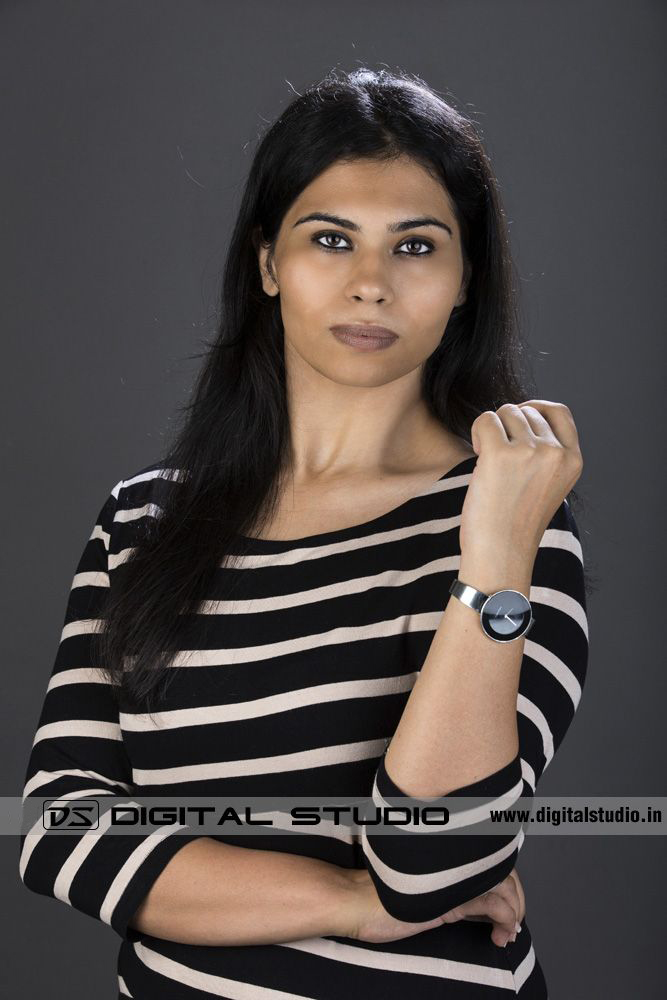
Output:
x=369 y=282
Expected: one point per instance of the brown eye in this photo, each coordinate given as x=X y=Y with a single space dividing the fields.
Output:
x=327 y=236
x=424 y=243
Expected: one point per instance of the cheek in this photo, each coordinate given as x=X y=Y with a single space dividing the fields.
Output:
x=303 y=264
x=305 y=282
x=433 y=288
x=427 y=306
x=310 y=295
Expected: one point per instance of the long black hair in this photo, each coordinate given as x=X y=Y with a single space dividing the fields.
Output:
x=232 y=448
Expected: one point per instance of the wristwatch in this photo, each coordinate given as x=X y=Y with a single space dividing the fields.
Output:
x=504 y=616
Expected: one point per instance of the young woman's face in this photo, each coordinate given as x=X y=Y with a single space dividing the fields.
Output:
x=356 y=270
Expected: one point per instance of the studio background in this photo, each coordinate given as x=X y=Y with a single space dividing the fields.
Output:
x=127 y=133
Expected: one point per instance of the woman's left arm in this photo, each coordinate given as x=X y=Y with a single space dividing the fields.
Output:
x=484 y=719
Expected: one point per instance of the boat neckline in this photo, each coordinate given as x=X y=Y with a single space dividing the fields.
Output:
x=340 y=534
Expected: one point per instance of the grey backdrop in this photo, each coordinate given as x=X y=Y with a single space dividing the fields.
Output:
x=127 y=132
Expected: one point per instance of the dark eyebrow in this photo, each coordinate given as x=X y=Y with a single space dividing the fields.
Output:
x=395 y=227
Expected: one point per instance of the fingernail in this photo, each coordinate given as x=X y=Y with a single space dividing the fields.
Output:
x=513 y=937
x=517 y=927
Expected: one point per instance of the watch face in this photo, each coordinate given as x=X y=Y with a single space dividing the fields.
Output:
x=505 y=615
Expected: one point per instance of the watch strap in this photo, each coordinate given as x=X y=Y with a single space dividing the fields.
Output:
x=468 y=595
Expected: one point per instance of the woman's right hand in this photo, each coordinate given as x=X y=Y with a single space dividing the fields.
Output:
x=503 y=906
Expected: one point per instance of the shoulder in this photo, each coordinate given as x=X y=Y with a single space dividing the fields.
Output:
x=131 y=504
x=147 y=484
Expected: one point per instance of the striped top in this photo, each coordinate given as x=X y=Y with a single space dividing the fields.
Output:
x=295 y=688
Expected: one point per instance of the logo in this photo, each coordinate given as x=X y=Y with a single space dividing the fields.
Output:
x=81 y=814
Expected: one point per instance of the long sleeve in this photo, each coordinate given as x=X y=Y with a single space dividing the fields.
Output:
x=418 y=874
x=78 y=753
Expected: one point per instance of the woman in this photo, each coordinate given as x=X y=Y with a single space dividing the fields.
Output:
x=252 y=612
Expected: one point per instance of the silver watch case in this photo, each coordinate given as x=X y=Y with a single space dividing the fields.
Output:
x=504 y=616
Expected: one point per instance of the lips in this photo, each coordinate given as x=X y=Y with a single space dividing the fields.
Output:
x=365 y=338
x=375 y=332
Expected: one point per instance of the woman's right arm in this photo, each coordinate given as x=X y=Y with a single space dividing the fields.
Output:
x=173 y=882
x=218 y=894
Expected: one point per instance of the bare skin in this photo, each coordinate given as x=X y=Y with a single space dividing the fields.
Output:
x=504 y=907
x=216 y=895
x=312 y=509
x=362 y=438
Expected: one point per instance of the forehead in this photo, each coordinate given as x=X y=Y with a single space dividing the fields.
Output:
x=371 y=187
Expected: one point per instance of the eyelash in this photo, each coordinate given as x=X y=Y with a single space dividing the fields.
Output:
x=318 y=236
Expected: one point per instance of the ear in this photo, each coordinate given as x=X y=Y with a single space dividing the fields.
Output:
x=269 y=283
x=463 y=293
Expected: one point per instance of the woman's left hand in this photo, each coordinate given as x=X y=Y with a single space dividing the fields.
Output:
x=528 y=461
x=503 y=906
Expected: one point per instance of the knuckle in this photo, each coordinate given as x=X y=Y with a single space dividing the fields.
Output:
x=482 y=419
x=555 y=404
